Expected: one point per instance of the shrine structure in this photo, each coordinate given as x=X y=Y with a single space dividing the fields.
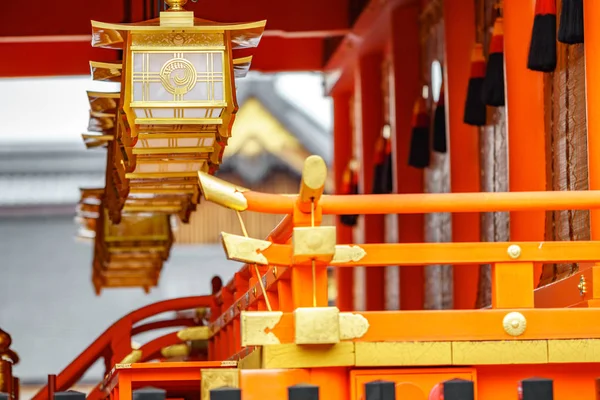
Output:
x=467 y=195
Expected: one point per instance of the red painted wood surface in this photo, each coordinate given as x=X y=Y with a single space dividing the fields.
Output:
x=369 y=124
x=342 y=143
x=404 y=43
x=464 y=140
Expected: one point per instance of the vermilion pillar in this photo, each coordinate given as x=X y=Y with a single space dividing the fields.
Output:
x=459 y=25
x=525 y=121
x=342 y=153
x=404 y=88
x=369 y=123
x=591 y=12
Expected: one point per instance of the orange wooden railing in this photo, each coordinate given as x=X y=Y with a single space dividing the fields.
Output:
x=513 y=263
x=115 y=343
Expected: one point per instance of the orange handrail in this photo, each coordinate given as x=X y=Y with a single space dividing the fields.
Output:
x=151 y=351
x=167 y=323
x=432 y=202
x=117 y=333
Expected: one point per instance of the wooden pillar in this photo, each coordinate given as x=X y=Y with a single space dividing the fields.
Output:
x=591 y=12
x=459 y=31
x=525 y=122
x=342 y=153
x=405 y=86
x=369 y=123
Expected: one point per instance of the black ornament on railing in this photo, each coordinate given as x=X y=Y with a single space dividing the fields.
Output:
x=380 y=390
x=225 y=393
x=149 y=393
x=303 y=392
x=536 y=389
x=69 y=395
x=458 y=389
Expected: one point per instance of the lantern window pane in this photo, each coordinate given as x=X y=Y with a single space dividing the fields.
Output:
x=178 y=76
x=148 y=167
x=173 y=142
x=192 y=112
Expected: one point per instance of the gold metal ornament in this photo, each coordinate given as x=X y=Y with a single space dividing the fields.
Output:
x=514 y=323
x=176 y=5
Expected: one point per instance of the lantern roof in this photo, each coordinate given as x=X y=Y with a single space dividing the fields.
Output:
x=243 y=35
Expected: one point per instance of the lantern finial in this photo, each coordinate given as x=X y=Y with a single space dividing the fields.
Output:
x=176 y=5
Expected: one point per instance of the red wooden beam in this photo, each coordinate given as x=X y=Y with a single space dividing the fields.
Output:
x=52 y=17
x=288 y=16
x=37 y=56
x=275 y=54
x=369 y=34
x=70 y=55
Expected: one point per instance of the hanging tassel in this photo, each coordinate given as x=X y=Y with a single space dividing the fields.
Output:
x=350 y=186
x=378 y=178
x=382 y=179
x=493 y=84
x=542 y=49
x=439 y=124
x=570 y=30
x=419 y=142
x=388 y=163
x=475 y=109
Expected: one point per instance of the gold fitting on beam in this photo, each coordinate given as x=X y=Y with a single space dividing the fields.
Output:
x=244 y=249
x=217 y=378
x=317 y=325
x=222 y=193
x=514 y=323
x=514 y=251
x=314 y=176
x=176 y=350
x=314 y=243
x=133 y=357
x=582 y=286
x=194 y=333
x=352 y=326
x=348 y=253
x=256 y=327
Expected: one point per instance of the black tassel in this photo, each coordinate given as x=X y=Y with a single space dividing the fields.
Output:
x=493 y=84
x=349 y=186
x=439 y=125
x=378 y=179
x=382 y=179
x=542 y=48
x=388 y=174
x=475 y=109
x=419 y=155
x=570 y=30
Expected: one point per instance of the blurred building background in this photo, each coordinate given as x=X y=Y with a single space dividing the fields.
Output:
x=47 y=301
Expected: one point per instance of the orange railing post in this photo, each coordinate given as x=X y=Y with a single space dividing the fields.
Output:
x=308 y=212
x=459 y=29
x=525 y=121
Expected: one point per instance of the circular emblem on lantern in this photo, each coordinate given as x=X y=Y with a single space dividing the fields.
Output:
x=178 y=76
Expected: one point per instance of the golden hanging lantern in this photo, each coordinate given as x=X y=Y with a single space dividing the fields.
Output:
x=176 y=106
